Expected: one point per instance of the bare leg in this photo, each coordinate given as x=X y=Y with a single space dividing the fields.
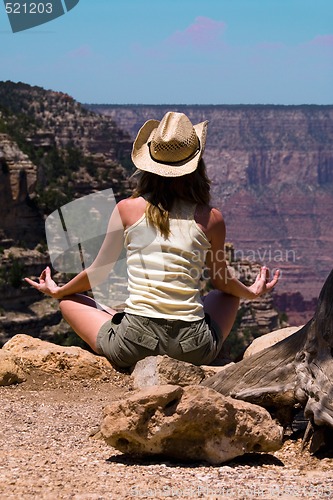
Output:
x=83 y=316
x=222 y=308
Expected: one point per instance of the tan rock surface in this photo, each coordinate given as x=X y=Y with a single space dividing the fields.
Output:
x=10 y=371
x=33 y=353
x=190 y=423
x=46 y=453
x=161 y=370
x=269 y=339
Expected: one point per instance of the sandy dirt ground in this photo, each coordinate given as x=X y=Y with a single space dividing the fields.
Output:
x=47 y=453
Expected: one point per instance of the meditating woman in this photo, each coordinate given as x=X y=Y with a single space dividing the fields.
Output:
x=171 y=233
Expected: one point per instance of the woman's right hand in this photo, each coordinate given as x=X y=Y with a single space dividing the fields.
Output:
x=46 y=284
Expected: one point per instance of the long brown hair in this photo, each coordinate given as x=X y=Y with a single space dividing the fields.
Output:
x=161 y=193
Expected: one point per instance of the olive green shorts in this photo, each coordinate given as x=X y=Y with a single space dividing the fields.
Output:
x=127 y=338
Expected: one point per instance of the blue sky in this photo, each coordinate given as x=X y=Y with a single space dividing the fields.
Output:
x=179 y=52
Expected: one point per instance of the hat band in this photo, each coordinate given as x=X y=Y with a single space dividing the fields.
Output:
x=175 y=163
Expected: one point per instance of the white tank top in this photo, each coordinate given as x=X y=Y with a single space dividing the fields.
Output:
x=164 y=274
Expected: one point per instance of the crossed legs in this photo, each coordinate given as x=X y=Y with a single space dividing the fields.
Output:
x=82 y=314
x=222 y=308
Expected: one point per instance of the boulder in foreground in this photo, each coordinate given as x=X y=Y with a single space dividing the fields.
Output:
x=188 y=423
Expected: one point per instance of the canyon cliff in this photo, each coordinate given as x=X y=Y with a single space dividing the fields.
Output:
x=272 y=177
x=52 y=151
x=271 y=171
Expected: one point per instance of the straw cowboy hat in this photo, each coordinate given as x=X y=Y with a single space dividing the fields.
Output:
x=171 y=147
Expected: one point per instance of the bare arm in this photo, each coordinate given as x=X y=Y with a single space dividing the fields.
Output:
x=96 y=273
x=219 y=273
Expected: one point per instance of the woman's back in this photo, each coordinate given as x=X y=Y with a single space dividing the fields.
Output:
x=132 y=209
x=164 y=273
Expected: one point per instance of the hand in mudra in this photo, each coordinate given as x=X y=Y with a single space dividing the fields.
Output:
x=46 y=284
x=262 y=284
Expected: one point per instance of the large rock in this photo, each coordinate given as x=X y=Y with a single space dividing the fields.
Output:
x=37 y=354
x=272 y=338
x=190 y=423
x=10 y=371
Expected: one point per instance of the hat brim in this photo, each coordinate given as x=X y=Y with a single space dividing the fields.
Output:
x=143 y=161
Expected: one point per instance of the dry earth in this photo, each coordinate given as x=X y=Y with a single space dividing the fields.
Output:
x=47 y=453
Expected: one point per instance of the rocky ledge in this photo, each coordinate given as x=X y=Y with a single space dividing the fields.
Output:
x=46 y=421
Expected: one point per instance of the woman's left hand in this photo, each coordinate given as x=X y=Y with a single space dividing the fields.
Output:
x=262 y=283
x=46 y=284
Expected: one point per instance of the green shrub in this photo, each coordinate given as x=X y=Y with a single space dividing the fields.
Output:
x=16 y=274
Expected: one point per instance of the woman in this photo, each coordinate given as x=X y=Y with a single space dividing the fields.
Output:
x=170 y=233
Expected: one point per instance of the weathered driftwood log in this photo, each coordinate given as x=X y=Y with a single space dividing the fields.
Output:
x=298 y=371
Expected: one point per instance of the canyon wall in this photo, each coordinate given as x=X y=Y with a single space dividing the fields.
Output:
x=52 y=151
x=272 y=176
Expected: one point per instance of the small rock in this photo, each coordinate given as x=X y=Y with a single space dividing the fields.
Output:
x=10 y=371
x=269 y=339
x=211 y=370
x=162 y=370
